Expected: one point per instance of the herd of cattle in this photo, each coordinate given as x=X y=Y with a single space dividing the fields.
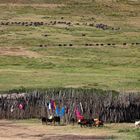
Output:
x=83 y=122
x=90 y=44
x=68 y=23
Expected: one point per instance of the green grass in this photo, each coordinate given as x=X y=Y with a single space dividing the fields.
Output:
x=131 y=134
x=112 y=68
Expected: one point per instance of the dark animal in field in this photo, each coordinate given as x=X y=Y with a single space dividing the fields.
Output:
x=40 y=45
x=46 y=35
x=86 y=122
x=91 y=24
x=72 y=120
x=41 y=23
x=77 y=23
x=102 y=26
x=69 y=23
x=70 y=44
x=90 y=123
x=45 y=46
x=52 y=120
x=44 y=120
x=53 y=23
x=83 y=34
x=64 y=44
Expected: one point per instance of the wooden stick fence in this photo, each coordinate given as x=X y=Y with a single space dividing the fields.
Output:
x=110 y=106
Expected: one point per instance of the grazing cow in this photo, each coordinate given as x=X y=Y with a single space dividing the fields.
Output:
x=56 y=119
x=98 y=123
x=90 y=122
x=86 y=122
x=70 y=44
x=83 y=34
x=45 y=35
x=44 y=120
x=40 y=45
x=51 y=120
x=137 y=123
x=77 y=24
x=82 y=122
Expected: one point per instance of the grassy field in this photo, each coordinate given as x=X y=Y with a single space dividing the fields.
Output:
x=24 y=64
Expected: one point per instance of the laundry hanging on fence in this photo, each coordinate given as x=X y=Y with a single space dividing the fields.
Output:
x=12 y=108
x=67 y=110
x=81 y=107
x=52 y=105
x=59 y=112
x=49 y=106
x=78 y=114
x=21 y=106
x=62 y=112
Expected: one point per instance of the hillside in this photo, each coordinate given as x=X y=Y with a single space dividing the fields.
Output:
x=70 y=43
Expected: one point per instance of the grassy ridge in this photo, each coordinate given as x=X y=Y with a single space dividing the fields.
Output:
x=23 y=63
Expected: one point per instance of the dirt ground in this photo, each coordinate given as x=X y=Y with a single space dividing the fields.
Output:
x=17 y=52
x=33 y=5
x=13 y=130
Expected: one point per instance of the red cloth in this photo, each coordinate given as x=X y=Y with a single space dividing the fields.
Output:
x=20 y=106
x=78 y=114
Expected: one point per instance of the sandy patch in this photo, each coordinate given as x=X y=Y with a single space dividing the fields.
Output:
x=5 y=51
x=32 y=5
x=134 y=22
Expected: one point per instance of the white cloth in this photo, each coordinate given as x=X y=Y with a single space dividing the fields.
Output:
x=49 y=106
x=12 y=108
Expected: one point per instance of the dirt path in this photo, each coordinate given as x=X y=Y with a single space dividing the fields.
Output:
x=32 y=5
x=10 y=130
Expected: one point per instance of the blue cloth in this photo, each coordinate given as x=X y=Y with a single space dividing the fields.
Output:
x=60 y=113
x=57 y=111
